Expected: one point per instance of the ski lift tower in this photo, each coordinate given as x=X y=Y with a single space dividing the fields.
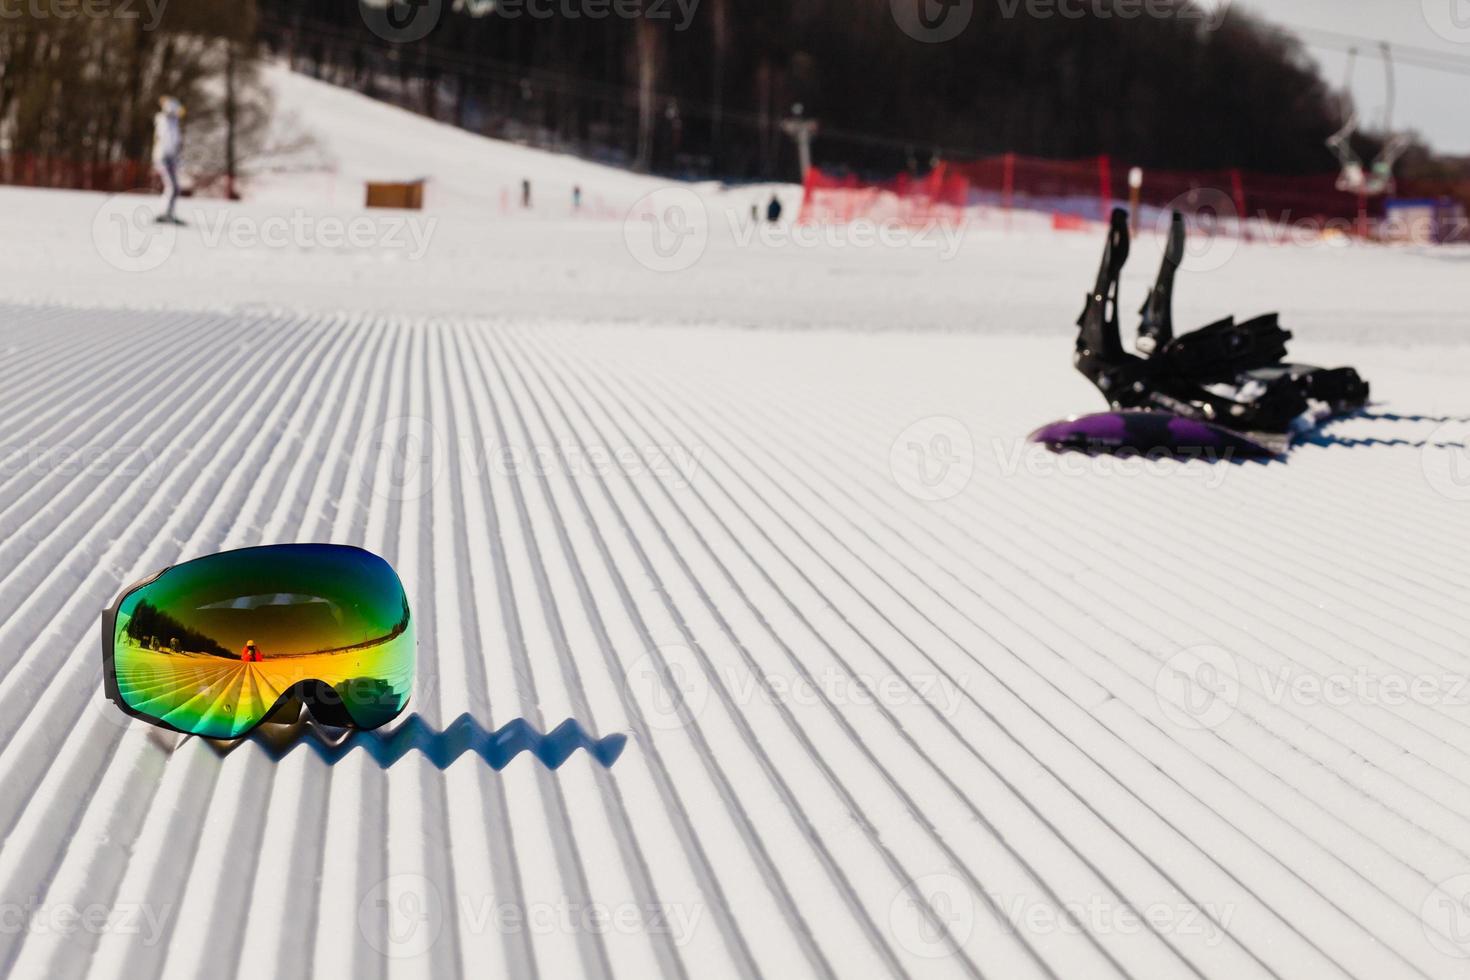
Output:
x=803 y=131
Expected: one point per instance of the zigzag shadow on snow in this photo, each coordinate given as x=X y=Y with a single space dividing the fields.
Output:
x=1397 y=417
x=1350 y=442
x=1323 y=437
x=464 y=734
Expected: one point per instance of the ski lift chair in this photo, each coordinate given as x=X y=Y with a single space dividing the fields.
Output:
x=1377 y=180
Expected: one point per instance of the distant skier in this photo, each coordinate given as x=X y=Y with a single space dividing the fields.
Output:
x=773 y=210
x=526 y=194
x=168 y=143
x=251 y=653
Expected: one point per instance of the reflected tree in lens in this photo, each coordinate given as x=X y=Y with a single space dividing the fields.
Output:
x=148 y=625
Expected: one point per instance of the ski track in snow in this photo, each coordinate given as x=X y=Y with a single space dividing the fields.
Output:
x=719 y=592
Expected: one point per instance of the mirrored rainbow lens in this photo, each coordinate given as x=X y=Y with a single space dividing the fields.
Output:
x=212 y=646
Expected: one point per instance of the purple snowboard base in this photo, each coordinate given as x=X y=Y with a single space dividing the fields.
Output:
x=1156 y=434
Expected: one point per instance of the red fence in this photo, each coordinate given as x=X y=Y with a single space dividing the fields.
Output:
x=113 y=176
x=1080 y=190
x=28 y=170
x=829 y=199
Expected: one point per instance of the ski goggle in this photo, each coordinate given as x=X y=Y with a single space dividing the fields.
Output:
x=217 y=645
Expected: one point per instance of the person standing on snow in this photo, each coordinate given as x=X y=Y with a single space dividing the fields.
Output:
x=168 y=142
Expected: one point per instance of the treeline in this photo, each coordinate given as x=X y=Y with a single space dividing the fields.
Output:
x=704 y=86
x=151 y=627
x=80 y=82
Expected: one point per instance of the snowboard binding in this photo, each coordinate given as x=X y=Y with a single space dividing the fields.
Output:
x=1229 y=374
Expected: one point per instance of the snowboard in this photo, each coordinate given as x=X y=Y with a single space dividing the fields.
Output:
x=1145 y=433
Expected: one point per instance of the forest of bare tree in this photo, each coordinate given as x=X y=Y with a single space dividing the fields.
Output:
x=79 y=85
x=703 y=87
x=685 y=87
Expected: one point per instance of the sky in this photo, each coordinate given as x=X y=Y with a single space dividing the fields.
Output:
x=1431 y=101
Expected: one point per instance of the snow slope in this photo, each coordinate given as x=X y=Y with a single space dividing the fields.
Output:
x=904 y=696
x=466 y=256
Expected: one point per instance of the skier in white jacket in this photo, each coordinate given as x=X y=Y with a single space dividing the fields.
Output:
x=168 y=141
